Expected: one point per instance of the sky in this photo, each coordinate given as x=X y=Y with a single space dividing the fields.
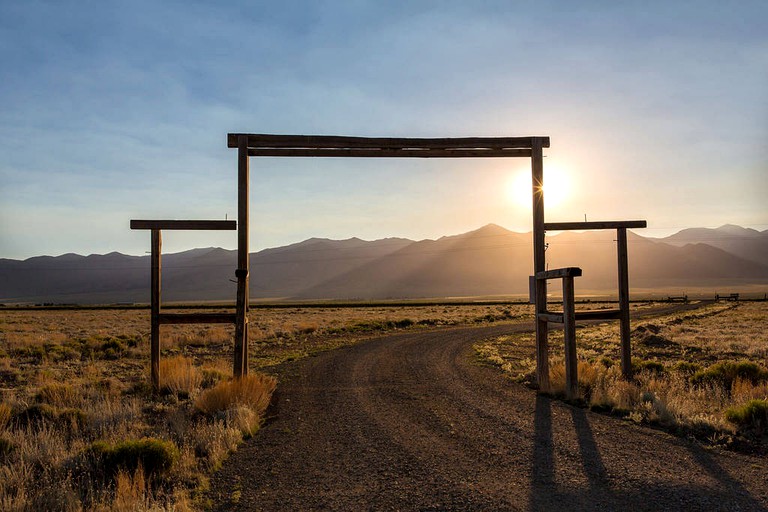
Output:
x=111 y=111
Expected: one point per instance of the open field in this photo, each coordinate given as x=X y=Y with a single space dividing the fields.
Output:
x=74 y=390
x=696 y=372
x=75 y=395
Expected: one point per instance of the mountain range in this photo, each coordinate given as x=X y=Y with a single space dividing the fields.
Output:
x=486 y=262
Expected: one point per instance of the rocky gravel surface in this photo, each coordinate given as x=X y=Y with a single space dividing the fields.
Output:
x=412 y=421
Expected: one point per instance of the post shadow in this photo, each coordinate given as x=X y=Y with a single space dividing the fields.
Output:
x=543 y=455
x=591 y=461
x=739 y=497
x=544 y=489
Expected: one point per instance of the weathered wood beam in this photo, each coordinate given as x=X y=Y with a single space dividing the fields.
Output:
x=197 y=318
x=240 y=359
x=155 y=285
x=599 y=314
x=569 y=336
x=593 y=314
x=557 y=318
x=539 y=265
x=559 y=273
x=337 y=142
x=571 y=226
x=192 y=225
x=626 y=344
x=390 y=153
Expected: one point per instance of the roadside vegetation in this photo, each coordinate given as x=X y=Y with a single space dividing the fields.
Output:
x=80 y=428
x=702 y=373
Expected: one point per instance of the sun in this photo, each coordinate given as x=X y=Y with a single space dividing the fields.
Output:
x=557 y=186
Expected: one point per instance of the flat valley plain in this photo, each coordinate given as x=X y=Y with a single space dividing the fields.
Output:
x=73 y=378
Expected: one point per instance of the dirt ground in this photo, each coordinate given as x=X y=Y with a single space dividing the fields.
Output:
x=411 y=421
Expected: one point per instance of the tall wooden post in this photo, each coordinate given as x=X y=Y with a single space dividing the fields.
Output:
x=240 y=363
x=569 y=334
x=155 y=283
x=542 y=343
x=626 y=348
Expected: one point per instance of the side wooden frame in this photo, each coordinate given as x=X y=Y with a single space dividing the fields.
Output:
x=157 y=318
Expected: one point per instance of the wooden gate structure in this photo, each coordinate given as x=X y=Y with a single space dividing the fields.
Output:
x=157 y=317
x=569 y=315
x=263 y=145
x=260 y=145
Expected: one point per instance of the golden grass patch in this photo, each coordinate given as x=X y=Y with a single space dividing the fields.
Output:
x=253 y=391
x=179 y=376
x=691 y=367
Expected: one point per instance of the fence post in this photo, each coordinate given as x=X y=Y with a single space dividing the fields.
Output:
x=156 y=282
x=569 y=333
x=240 y=362
x=626 y=346
x=542 y=332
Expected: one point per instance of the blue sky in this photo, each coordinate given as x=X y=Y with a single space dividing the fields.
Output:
x=118 y=110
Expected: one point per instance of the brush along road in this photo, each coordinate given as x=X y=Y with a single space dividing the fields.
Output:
x=412 y=422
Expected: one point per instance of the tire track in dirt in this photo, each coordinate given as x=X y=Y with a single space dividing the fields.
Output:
x=410 y=422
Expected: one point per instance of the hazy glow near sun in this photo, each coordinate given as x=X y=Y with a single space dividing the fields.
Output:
x=556 y=187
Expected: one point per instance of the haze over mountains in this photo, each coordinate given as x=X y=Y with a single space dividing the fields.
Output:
x=485 y=262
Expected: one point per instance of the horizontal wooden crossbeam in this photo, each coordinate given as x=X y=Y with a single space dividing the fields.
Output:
x=191 y=225
x=391 y=153
x=612 y=224
x=557 y=318
x=599 y=314
x=263 y=141
x=593 y=314
x=197 y=318
x=559 y=273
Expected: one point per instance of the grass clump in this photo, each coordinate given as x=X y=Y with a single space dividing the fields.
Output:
x=179 y=376
x=59 y=395
x=5 y=415
x=211 y=377
x=35 y=415
x=653 y=367
x=751 y=416
x=687 y=368
x=253 y=391
x=6 y=448
x=38 y=416
x=154 y=456
x=726 y=373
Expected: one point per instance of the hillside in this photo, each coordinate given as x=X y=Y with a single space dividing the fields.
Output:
x=488 y=261
x=746 y=243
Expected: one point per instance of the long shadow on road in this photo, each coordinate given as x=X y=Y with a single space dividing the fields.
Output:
x=607 y=490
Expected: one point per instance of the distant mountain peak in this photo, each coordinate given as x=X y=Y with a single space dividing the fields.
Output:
x=491 y=228
x=487 y=230
x=733 y=229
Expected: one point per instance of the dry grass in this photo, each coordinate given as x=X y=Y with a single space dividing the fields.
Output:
x=131 y=491
x=5 y=415
x=60 y=395
x=70 y=378
x=180 y=376
x=252 y=391
x=670 y=350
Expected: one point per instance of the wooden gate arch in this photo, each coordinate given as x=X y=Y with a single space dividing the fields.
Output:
x=269 y=145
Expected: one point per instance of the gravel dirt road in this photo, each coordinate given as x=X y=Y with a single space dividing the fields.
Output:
x=412 y=422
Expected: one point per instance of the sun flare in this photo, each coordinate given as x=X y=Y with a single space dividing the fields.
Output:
x=556 y=187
